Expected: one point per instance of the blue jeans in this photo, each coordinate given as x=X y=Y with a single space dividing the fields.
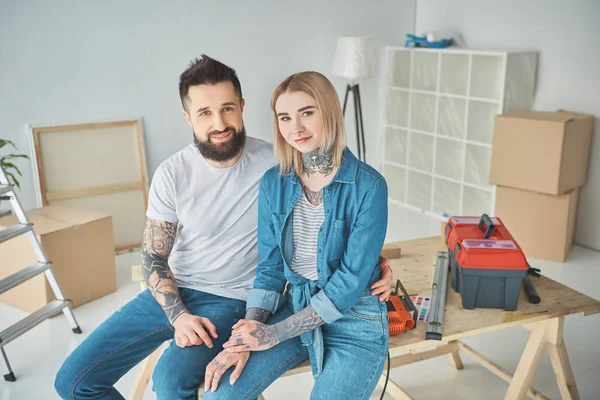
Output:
x=134 y=332
x=355 y=351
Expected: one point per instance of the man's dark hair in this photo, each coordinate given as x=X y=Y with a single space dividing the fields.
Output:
x=207 y=71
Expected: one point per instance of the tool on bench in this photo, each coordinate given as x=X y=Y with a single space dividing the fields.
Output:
x=402 y=313
x=530 y=291
x=435 y=321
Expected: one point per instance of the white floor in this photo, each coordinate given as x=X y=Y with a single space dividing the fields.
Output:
x=37 y=355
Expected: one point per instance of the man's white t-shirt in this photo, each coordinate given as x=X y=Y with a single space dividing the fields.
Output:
x=217 y=210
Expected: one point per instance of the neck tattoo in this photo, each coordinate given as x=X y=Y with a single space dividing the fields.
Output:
x=318 y=161
x=314 y=198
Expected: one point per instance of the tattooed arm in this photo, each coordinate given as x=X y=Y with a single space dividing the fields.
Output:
x=258 y=314
x=159 y=237
x=256 y=336
x=299 y=323
x=190 y=330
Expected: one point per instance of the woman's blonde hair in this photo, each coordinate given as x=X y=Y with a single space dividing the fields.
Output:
x=322 y=90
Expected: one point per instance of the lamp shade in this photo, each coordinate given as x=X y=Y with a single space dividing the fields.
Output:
x=355 y=57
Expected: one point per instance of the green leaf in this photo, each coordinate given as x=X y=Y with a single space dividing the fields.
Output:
x=13 y=179
x=4 y=142
x=8 y=165
x=11 y=156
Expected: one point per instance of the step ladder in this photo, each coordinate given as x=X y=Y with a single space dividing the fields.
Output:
x=7 y=192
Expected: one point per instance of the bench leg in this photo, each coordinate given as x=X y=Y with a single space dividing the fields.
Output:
x=143 y=376
x=560 y=361
x=455 y=359
x=532 y=355
x=393 y=390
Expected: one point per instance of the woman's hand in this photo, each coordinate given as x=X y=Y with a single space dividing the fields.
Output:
x=251 y=336
x=384 y=285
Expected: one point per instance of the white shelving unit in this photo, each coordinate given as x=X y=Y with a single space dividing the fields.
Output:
x=438 y=108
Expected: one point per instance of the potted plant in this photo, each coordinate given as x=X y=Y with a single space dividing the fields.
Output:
x=6 y=161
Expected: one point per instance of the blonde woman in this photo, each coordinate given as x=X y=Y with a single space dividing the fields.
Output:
x=322 y=224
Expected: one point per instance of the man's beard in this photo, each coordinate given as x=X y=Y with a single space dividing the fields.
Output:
x=221 y=152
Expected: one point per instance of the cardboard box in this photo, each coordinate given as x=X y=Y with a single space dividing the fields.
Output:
x=544 y=152
x=544 y=225
x=80 y=245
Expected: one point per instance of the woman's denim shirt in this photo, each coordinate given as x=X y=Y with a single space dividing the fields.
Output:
x=348 y=247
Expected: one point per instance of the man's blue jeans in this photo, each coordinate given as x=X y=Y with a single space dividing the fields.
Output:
x=355 y=351
x=134 y=332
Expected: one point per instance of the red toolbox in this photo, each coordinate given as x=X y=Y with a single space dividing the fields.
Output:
x=487 y=264
x=461 y=228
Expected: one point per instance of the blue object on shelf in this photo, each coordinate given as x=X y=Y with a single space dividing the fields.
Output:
x=421 y=41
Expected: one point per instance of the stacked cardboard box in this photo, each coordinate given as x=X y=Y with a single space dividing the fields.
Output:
x=80 y=245
x=539 y=163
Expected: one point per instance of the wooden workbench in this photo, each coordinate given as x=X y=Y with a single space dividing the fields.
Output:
x=545 y=321
x=415 y=268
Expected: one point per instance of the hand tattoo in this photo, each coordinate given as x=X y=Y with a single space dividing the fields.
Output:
x=299 y=323
x=257 y=314
x=158 y=240
x=318 y=161
x=314 y=198
x=266 y=335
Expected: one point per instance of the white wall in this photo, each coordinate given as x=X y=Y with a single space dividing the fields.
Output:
x=65 y=61
x=567 y=36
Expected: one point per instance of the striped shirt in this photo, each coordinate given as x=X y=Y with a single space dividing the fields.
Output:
x=307 y=222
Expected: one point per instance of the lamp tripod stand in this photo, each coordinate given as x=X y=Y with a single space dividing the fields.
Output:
x=358 y=120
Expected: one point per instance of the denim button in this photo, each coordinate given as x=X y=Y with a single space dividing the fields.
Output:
x=327 y=210
x=319 y=250
x=326 y=191
x=320 y=229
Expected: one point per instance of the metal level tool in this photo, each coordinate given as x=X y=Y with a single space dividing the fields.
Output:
x=43 y=266
x=435 y=321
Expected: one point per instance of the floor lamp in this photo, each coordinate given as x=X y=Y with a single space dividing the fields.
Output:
x=355 y=59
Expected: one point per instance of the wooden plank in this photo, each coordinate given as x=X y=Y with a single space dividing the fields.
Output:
x=391 y=250
x=455 y=360
x=93 y=191
x=143 y=375
x=563 y=371
x=497 y=370
x=424 y=355
x=532 y=355
x=75 y=127
x=393 y=390
x=143 y=165
x=301 y=368
x=128 y=246
x=555 y=330
x=136 y=273
x=40 y=166
x=560 y=361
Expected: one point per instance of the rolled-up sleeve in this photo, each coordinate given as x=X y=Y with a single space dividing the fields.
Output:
x=325 y=307
x=265 y=299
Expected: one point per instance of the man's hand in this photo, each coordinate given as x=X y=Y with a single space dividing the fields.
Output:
x=221 y=363
x=190 y=330
x=384 y=285
x=252 y=336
